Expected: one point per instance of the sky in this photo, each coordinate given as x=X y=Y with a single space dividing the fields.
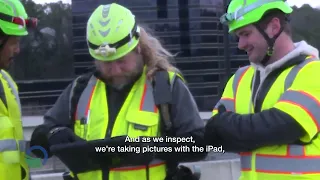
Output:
x=49 y=1
x=298 y=3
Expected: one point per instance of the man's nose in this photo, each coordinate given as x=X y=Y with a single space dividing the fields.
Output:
x=242 y=44
x=114 y=69
x=17 y=49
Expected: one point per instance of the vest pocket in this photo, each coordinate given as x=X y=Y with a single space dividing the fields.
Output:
x=143 y=126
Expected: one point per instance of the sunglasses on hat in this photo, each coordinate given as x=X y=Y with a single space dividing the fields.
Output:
x=28 y=23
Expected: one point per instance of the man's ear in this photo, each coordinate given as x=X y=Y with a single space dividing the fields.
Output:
x=275 y=25
x=138 y=49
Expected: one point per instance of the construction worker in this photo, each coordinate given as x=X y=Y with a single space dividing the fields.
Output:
x=118 y=98
x=14 y=22
x=269 y=110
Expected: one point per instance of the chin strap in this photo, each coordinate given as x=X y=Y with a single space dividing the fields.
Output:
x=270 y=41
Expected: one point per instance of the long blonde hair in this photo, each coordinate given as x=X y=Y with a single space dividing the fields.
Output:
x=155 y=56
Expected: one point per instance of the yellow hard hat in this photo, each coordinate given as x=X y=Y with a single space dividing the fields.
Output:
x=112 y=32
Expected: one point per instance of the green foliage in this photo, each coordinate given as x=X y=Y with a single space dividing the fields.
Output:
x=305 y=25
x=44 y=56
x=51 y=57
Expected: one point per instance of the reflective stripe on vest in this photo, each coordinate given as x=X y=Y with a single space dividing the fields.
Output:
x=8 y=145
x=11 y=145
x=147 y=104
x=153 y=163
x=82 y=112
x=295 y=162
x=302 y=99
x=294 y=71
x=237 y=78
x=22 y=145
x=305 y=101
x=12 y=87
x=227 y=102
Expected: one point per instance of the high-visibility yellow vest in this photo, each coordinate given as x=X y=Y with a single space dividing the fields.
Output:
x=138 y=116
x=288 y=93
x=12 y=144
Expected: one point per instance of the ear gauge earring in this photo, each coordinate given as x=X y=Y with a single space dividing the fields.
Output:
x=139 y=50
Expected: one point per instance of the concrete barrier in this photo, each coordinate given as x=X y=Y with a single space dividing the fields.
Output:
x=29 y=123
x=210 y=170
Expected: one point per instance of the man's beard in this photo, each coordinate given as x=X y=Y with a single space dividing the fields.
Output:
x=127 y=78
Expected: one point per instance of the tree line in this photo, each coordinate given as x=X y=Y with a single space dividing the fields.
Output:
x=46 y=53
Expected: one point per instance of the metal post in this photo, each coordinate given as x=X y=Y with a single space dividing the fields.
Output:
x=226 y=44
x=226 y=53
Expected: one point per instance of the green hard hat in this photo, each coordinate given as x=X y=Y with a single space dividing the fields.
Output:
x=14 y=20
x=241 y=13
x=112 y=32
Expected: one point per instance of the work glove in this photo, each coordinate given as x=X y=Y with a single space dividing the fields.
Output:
x=211 y=136
x=61 y=135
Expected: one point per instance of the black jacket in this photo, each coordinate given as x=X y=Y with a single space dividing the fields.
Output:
x=184 y=113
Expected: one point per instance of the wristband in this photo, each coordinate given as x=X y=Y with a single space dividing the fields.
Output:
x=55 y=130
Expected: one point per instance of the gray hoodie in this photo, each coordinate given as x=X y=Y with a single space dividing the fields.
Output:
x=302 y=48
x=248 y=132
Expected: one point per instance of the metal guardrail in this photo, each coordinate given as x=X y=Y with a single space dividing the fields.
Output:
x=54 y=165
x=35 y=110
x=221 y=169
